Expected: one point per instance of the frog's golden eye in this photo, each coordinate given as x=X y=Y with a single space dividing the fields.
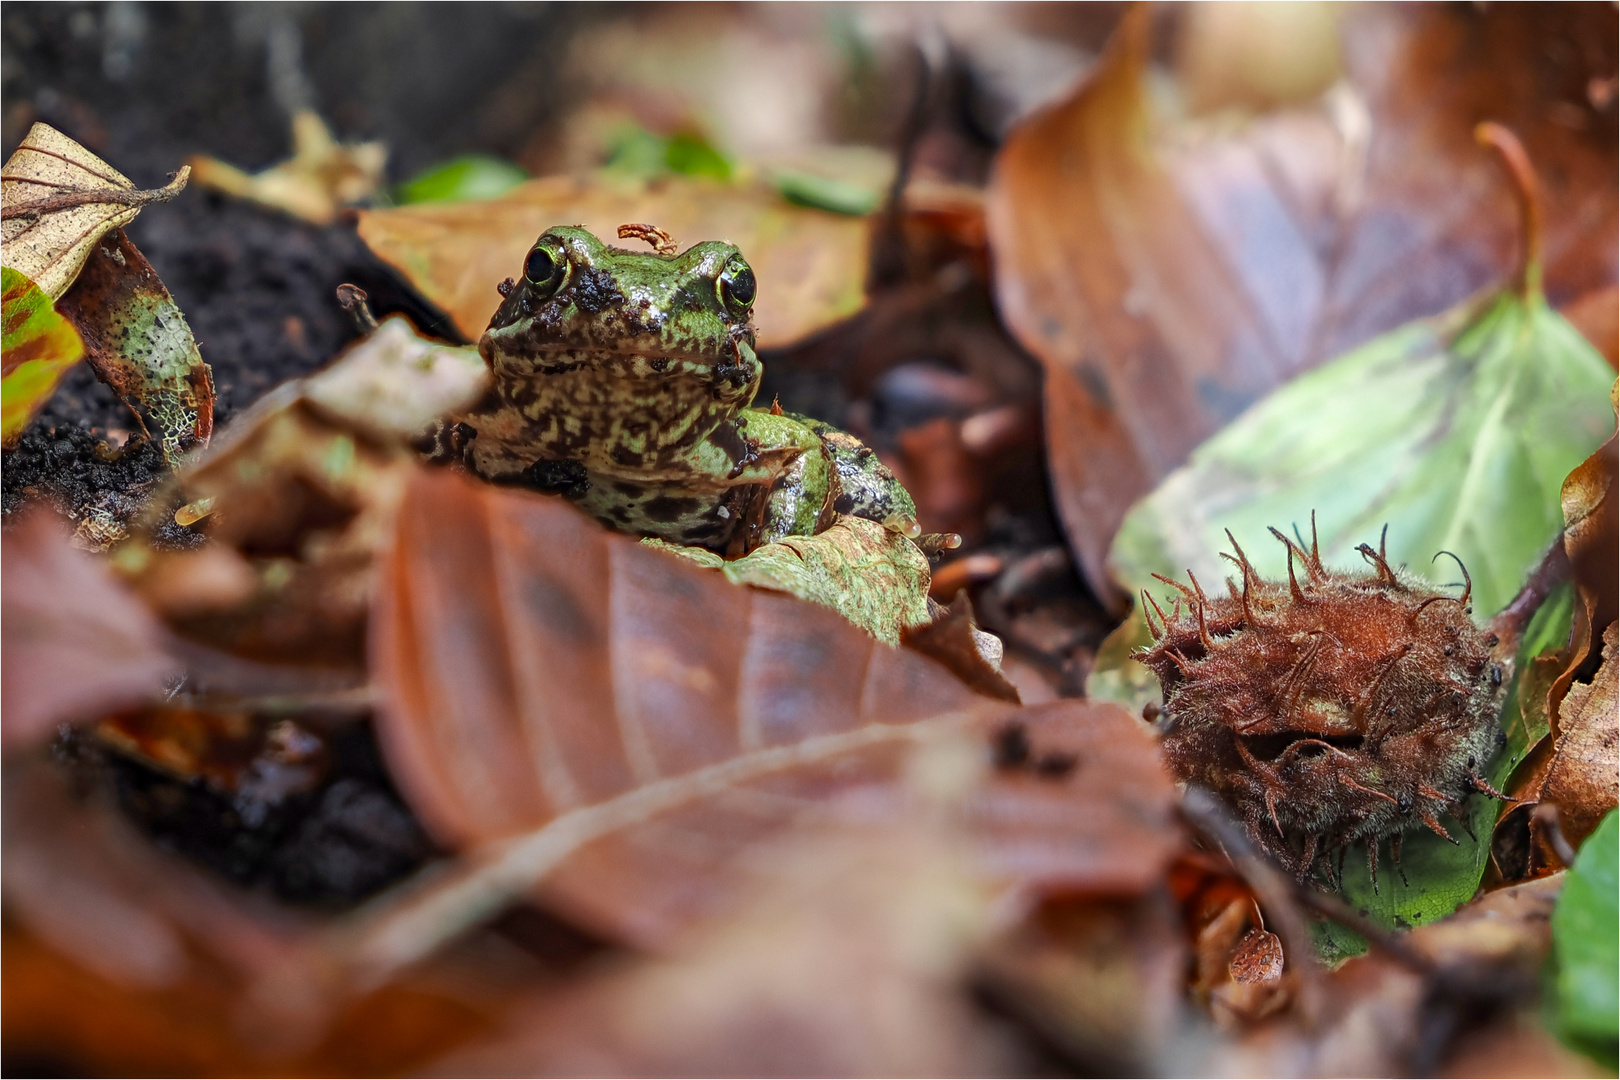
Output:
x=737 y=287
x=545 y=270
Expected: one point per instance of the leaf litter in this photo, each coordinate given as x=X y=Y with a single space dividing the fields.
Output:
x=829 y=910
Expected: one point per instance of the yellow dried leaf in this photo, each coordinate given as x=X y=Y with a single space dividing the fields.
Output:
x=58 y=199
x=321 y=177
x=811 y=264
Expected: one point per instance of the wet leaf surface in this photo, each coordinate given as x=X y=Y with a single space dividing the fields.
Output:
x=59 y=199
x=139 y=343
x=810 y=263
x=38 y=348
x=1167 y=279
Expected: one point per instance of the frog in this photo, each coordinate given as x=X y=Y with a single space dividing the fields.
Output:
x=625 y=381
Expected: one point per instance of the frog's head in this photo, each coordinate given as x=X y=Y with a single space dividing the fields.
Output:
x=581 y=304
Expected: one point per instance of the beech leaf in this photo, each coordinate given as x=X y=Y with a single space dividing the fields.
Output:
x=37 y=349
x=619 y=728
x=58 y=200
x=810 y=264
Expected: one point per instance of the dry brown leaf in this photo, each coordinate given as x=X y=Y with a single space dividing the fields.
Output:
x=623 y=728
x=810 y=264
x=321 y=177
x=1585 y=771
x=848 y=961
x=1167 y=280
x=75 y=641
x=58 y=199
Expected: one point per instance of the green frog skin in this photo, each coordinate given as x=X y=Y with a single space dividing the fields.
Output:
x=623 y=381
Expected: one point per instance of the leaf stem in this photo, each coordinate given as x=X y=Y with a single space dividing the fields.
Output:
x=1528 y=188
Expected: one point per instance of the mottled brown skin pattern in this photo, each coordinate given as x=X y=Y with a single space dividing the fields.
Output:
x=622 y=381
x=1329 y=709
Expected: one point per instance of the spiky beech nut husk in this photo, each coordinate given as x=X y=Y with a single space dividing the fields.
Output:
x=1329 y=710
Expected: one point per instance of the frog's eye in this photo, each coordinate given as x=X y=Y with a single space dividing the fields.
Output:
x=737 y=287
x=545 y=270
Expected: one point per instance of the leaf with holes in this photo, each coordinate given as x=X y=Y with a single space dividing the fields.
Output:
x=37 y=349
x=139 y=344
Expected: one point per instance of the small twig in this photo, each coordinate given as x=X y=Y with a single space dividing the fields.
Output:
x=888 y=266
x=34 y=208
x=1551 y=572
x=352 y=298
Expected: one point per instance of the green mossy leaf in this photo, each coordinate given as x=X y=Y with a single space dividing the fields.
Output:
x=1458 y=433
x=461 y=179
x=874 y=577
x=37 y=348
x=1586 y=954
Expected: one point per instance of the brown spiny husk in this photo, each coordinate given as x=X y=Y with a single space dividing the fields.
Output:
x=1328 y=709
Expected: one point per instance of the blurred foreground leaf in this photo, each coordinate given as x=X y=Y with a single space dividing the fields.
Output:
x=74 y=640
x=811 y=264
x=139 y=344
x=1586 y=985
x=37 y=349
x=471 y=176
x=58 y=200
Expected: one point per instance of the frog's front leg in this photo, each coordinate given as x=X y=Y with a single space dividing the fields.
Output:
x=867 y=488
x=796 y=469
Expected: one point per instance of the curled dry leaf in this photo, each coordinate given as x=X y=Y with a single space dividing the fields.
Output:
x=1592 y=542
x=1582 y=777
x=1167 y=284
x=621 y=728
x=74 y=641
x=57 y=199
x=139 y=344
x=809 y=263
x=320 y=178
x=37 y=348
